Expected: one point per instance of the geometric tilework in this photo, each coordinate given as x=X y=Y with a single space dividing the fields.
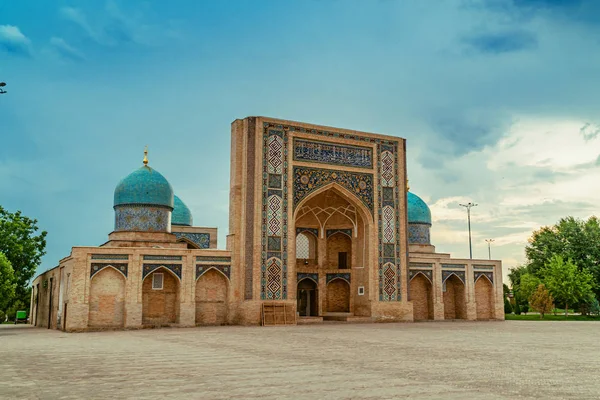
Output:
x=314 y=231
x=389 y=282
x=149 y=268
x=488 y=267
x=110 y=256
x=331 y=232
x=333 y=153
x=213 y=259
x=459 y=274
x=202 y=268
x=389 y=228
x=344 y=275
x=142 y=218
x=275 y=154
x=97 y=267
x=419 y=233
x=454 y=266
x=274 y=211
x=307 y=180
x=479 y=274
x=272 y=283
x=427 y=273
x=387 y=169
x=302 y=275
x=202 y=240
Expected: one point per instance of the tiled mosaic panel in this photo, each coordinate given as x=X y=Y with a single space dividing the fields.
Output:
x=97 y=267
x=487 y=267
x=454 y=266
x=489 y=275
x=418 y=265
x=149 y=268
x=202 y=268
x=388 y=219
x=447 y=274
x=142 y=219
x=345 y=276
x=250 y=204
x=202 y=240
x=331 y=232
x=307 y=180
x=332 y=153
x=427 y=272
x=274 y=214
x=419 y=234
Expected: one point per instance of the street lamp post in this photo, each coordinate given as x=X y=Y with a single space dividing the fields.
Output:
x=2 y=84
x=468 y=207
x=489 y=242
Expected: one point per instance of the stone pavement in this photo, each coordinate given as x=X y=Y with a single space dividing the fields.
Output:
x=442 y=360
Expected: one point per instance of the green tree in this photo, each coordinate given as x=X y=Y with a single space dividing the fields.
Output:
x=7 y=282
x=23 y=245
x=529 y=284
x=514 y=276
x=507 y=306
x=566 y=282
x=570 y=238
x=541 y=300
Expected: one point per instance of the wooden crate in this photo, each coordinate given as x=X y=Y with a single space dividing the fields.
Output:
x=278 y=314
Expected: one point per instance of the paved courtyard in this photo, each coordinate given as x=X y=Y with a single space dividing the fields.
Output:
x=445 y=360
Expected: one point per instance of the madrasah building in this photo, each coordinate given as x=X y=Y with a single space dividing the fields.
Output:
x=322 y=226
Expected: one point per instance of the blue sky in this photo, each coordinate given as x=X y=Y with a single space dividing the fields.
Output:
x=498 y=101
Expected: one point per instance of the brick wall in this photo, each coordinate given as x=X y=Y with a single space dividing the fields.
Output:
x=211 y=299
x=338 y=296
x=420 y=293
x=484 y=298
x=107 y=299
x=160 y=307
x=454 y=299
x=336 y=244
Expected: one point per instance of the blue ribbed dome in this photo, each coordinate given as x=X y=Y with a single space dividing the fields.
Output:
x=144 y=186
x=181 y=214
x=418 y=212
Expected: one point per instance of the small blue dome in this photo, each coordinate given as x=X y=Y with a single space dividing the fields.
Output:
x=418 y=212
x=144 y=186
x=181 y=214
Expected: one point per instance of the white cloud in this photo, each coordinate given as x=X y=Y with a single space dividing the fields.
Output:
x=66 y=50
x=12 y=40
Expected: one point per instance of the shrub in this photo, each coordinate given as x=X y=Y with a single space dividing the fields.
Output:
x=517 y=309
x=507 y=306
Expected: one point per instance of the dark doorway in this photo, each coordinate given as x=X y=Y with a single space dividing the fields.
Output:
x=50 y=306
x=307 y=298
x=342 y=260
x=64 y=319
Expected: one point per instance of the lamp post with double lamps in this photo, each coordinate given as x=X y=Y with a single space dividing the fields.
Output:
x=489 y=242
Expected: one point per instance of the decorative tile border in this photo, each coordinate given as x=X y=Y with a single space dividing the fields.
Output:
x=345 y=276
x=303 y=275
x=486 y=267
x=331 y=232
x=454 y=266
x=428 y=273
x=202 y=268
x=97 y=267
x=162 y=258
x=202 y=240
x=333 y=153
x=110 y=256
x=419 y=265
x=314 y=231
x=213 y=259
x=149 y=268
x=447 y=274
x=489 y=275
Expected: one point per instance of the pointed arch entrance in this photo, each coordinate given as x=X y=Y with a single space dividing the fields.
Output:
x=211 y=298
x=107 y=299
x=308 y=298
x=484 y=298
x=160 y=298
x=454 y=298
x=342 y=226
x=420 y=293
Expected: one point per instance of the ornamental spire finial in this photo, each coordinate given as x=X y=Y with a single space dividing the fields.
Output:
x=146 y=155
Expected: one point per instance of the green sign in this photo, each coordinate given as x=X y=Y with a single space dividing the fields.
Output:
x=21 y=314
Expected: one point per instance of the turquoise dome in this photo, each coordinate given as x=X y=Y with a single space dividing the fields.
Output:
x=418 y=212
x=181 y=214
x=144 y=186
